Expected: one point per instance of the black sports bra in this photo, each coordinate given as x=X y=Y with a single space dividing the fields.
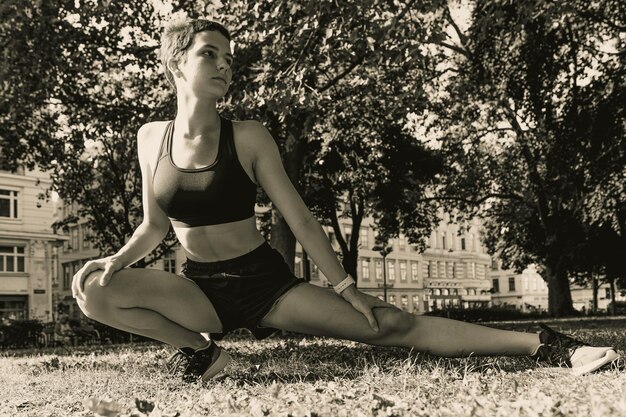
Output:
x=221 y=192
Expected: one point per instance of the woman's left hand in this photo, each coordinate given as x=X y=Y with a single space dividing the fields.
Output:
x=364 y=303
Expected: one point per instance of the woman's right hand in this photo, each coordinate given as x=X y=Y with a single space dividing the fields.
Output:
x=109 y=265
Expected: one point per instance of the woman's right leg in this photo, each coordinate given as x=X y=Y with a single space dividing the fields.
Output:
x=152 y=303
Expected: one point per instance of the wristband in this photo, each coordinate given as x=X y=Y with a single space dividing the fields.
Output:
x=344 y=284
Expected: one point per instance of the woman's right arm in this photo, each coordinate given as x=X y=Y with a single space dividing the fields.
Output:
x=150 y=232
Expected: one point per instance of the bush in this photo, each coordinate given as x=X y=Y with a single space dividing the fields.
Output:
x=21 y=334
x=620 y=307
x=111 y=335
x=486 y=314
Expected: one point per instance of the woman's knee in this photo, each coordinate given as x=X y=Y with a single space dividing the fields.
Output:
x=393 y=321
x=95 y=303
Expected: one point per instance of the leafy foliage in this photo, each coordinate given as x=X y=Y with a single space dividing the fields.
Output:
x=528 y=110
x=297 y=67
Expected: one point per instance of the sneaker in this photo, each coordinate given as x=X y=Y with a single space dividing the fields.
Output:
x=203 y=363
x=561 y=350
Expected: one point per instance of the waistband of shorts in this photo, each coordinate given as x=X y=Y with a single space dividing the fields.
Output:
x=260 y=254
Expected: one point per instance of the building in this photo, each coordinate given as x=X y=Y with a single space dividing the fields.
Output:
x=529 y=292
x=582 y=297
x=29 y=250
x=526 y=291
x=452 y=272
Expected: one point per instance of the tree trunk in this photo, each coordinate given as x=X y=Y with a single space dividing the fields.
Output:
x=612 y=284
x=282 y=239
x=350 y=263
x=594 y=284
x=294 y=152
x=559 y=294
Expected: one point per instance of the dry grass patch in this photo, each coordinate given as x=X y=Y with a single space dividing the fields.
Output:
x=302 y=376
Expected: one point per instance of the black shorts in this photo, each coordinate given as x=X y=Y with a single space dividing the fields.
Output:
x=243 y=289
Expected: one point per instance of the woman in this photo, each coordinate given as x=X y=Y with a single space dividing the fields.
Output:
x=200 y=172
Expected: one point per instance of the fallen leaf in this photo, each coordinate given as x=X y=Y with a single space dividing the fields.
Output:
x=144 y=406
x=106 y=408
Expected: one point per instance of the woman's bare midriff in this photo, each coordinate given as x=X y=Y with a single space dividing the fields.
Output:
x=221 y=241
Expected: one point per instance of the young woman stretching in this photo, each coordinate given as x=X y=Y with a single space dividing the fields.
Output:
x=200 y=172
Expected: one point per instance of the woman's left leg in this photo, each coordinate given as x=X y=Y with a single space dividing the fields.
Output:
x=317 y=311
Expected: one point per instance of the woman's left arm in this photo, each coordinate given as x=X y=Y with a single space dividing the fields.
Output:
x=271 y=175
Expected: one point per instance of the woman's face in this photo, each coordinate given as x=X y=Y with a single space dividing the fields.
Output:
x=206 y=68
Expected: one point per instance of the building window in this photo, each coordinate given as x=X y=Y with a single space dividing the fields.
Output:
x=74 y=238
x=67 y=275
x=429 y=269
x=347 y=231
x=511 y=284
x=169 y=262
x=14 y=307
x=12 y=259
x=402 y=243
x=454 y=270
x=9 y=204
x=436 y=291
x=403 y=271
x=379 y=270
x=414 y=269
x=314 y=271
x=444 y=244
x=444 y=291
x=404 y=302
x=298 y=269
x=363 y=240
x=365 y=269
x=86 y=234
x=494 y=264
x=462 y=243
x=392 y=299
x=607 y=293
x=416 y=302
x=496 y=285
x=391 y=265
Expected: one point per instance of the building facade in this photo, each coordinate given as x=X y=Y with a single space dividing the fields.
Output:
x=529 y=292
x=29 y=250
x=451 y=272
x=525 y=292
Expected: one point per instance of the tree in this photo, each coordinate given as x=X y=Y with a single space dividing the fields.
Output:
x=323 y=56
x=302 y=60
x=530 y=117
x=81 y=83
x=382 y=174
x=293 y=61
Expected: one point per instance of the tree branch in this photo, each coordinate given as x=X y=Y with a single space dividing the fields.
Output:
x=462 y=37
x=381 y=37
x=454 y=48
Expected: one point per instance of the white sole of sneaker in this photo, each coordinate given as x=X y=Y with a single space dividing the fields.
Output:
x=217 y=366
x=608 y=357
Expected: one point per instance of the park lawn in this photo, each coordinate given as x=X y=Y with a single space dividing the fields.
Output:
x=306 y=376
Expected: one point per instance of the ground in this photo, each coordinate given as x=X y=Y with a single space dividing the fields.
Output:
x=304 y=376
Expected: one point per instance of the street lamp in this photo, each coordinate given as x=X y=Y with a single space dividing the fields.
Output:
x=384 y=251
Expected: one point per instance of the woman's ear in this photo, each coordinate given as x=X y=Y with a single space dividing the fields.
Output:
x=172 y=66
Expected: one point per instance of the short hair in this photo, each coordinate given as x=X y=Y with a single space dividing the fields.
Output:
x=178 y=36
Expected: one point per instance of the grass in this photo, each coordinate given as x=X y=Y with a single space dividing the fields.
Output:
x=305 y=376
